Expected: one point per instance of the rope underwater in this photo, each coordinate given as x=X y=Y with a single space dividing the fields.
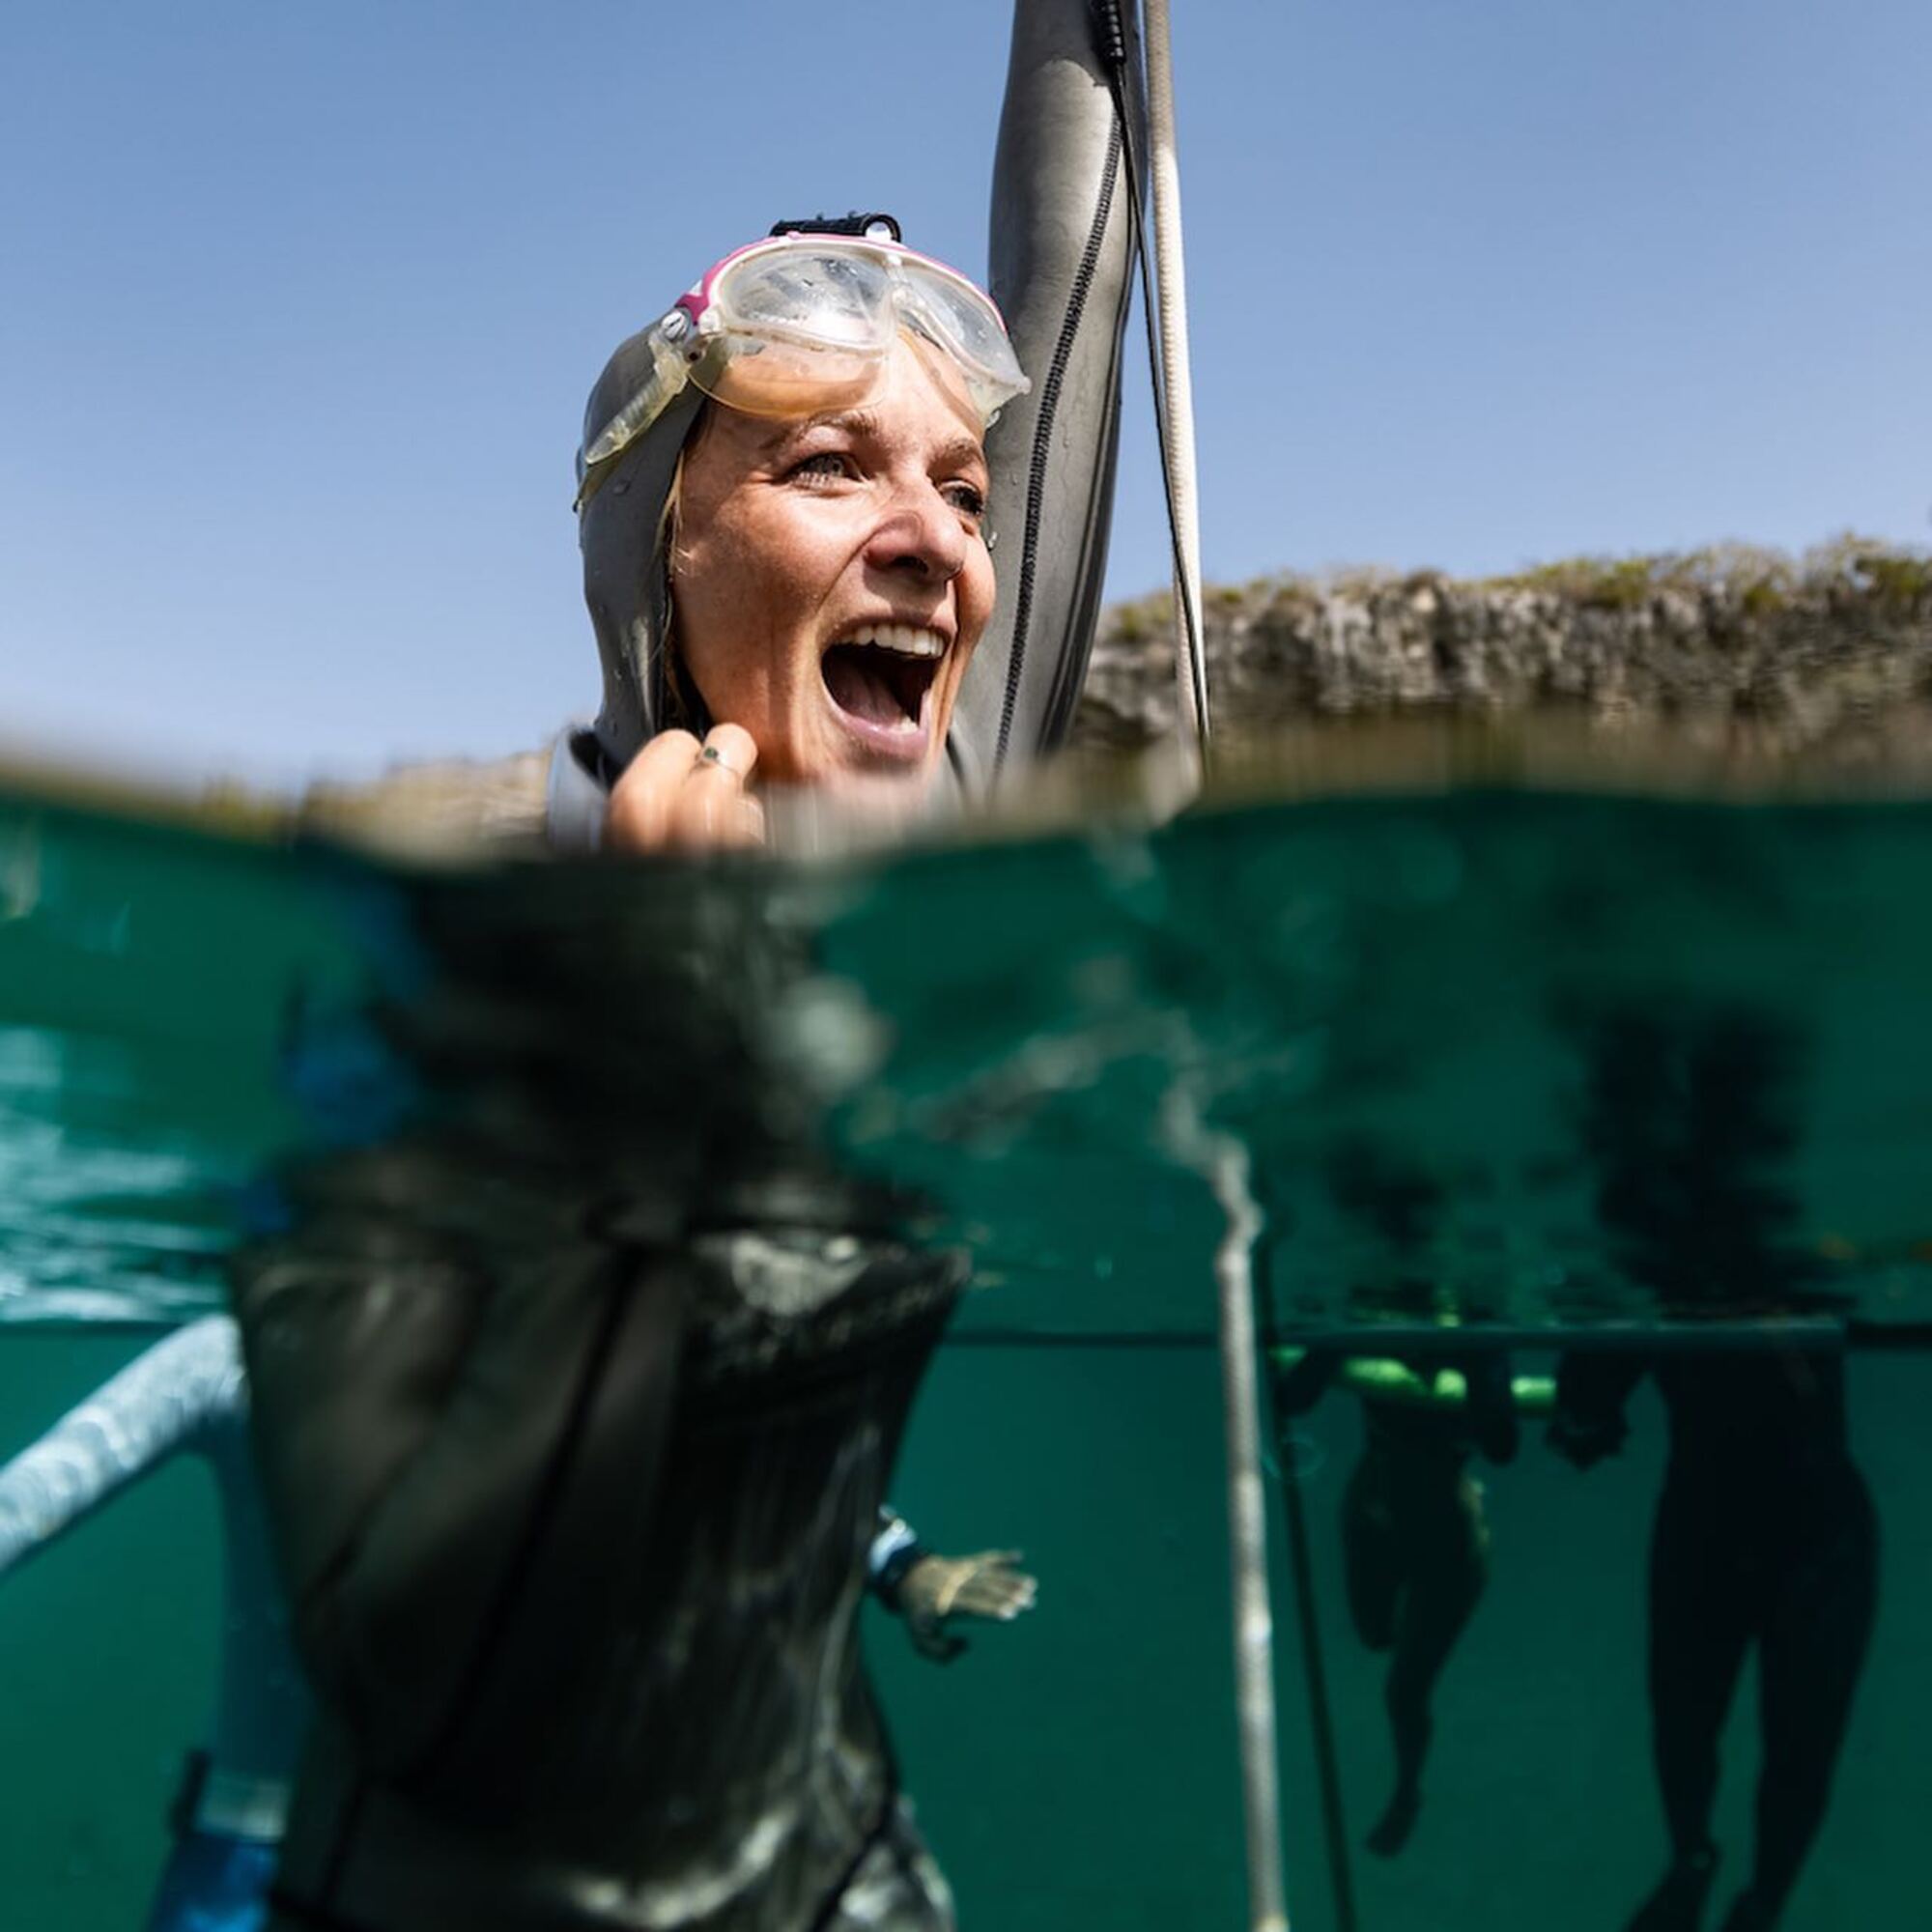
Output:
x=1219 y=1158
x=1222 y=1161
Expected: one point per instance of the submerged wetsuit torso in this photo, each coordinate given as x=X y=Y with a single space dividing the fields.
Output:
x=642 y=1705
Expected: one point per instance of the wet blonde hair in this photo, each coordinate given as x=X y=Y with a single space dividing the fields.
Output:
x=683 y=706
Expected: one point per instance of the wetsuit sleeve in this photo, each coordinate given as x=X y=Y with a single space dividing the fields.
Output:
x=894 y=1551
x=1061 y=229
x=130 y=1424
x=445 y=1450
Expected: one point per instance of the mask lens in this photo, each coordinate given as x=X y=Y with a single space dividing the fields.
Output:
x=963 y=323
x=792 y=327
x=832 y=297
x=788 y=379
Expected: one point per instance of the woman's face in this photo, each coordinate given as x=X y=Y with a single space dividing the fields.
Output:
x=831 y=577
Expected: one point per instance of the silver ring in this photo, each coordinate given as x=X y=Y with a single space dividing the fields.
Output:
x=710 y=755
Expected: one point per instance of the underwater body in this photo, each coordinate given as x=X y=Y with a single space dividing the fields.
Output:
x=1560 y=1076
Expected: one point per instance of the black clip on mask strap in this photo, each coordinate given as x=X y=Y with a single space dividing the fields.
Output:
x=873 y=227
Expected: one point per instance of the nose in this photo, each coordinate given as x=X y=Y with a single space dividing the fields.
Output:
x=920 y=535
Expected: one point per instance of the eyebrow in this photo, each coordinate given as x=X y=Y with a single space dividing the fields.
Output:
x=866 y=423
x=857 y=422
x=963 y=451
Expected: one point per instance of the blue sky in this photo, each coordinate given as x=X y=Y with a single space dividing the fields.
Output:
x=300 y=304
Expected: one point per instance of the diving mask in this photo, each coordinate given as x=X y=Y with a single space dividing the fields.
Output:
x=803 y=323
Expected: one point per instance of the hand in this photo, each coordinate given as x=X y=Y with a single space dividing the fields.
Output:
x=939 y=1588
x=680 y=795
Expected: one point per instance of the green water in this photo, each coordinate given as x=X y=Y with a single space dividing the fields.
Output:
x=1078 y=1772
x=1433 y=1026
x=1421 y=989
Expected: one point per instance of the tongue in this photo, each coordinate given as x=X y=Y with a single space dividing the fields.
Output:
x=860 y=689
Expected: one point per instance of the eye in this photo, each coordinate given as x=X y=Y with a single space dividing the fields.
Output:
x=825 y=463
x=968 y=498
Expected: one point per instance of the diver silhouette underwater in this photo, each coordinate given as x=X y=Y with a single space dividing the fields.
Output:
x=1415 y=1534
x=1414 y=1524
x=1764 y=1538
x=574 y=1503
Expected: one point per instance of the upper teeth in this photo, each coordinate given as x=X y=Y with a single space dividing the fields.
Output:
x=908 y=640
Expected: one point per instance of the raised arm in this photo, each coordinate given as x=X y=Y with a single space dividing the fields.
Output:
x=1062 y=273
x=126 y=1428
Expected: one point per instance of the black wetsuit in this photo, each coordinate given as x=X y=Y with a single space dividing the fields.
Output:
x=1765 y=1531
x=577 y=1405
x=583 y=1633
x=1765 y=1536
x=1415 y=1543
x=1416 y=1546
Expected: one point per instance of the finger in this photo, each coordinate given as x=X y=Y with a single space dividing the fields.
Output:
x=638 y=818
x=1003 y=1603
x=999 y=1582
x=732 y=747
x=740 y=824
x=996 y=1607
x=997 y=1587
x=754 y=817
x=710 y=812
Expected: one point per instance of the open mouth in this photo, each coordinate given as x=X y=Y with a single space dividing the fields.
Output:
x=880 y=677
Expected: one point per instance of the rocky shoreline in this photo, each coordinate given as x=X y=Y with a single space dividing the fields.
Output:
x=1726 y=648
x=1706 y=672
